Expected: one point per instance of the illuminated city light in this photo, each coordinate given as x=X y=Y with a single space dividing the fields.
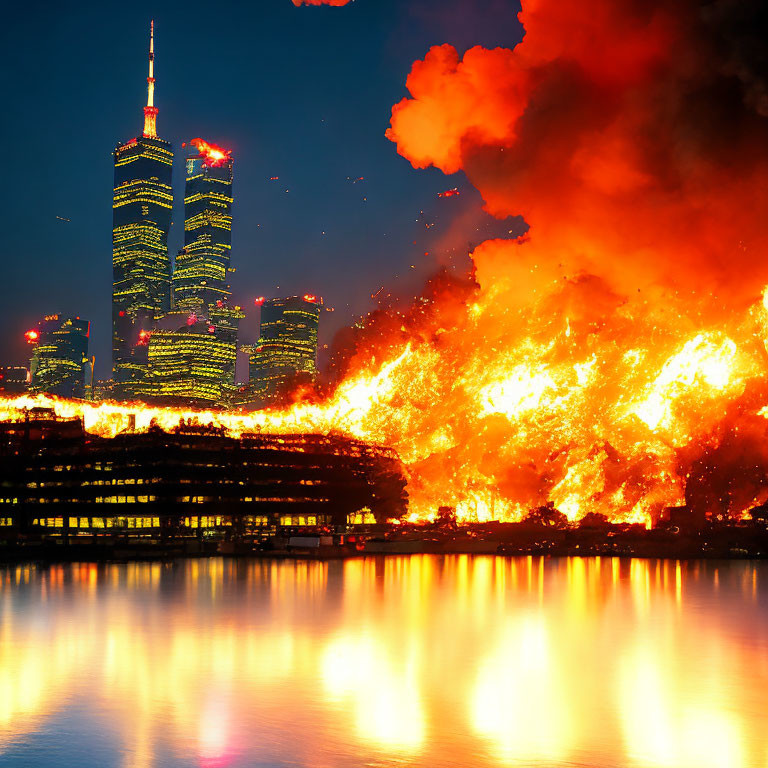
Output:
x=32 y=336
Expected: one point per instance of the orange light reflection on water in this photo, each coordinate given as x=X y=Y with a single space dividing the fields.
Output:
x=407 y=661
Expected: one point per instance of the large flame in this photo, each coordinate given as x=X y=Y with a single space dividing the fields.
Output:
x=213 y=154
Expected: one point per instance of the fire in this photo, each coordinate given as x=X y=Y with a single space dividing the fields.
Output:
x=214 y=155
x=614 y=359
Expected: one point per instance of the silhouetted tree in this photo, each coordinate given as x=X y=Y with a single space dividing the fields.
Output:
x=547 y=516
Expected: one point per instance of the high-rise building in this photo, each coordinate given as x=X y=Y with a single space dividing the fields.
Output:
x=191 y=357
x=202 y=266
x=142 y=206
x=14 y=379
x=286 y=353
x=60 y=356
x=191 y=364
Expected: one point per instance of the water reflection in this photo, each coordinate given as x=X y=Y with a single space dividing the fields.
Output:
x=409 y=661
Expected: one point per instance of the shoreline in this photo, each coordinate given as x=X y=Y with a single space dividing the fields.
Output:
x=732 y=542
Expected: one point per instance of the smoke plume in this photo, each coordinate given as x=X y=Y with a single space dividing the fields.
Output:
x=630 y=135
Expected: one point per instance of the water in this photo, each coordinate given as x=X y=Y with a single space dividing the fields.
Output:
x=420 y=661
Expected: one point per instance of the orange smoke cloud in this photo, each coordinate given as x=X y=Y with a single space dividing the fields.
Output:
x=630 y=136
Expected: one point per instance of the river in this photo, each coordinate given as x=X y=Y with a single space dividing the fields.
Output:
x=401 y=661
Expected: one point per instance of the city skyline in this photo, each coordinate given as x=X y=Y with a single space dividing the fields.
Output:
x=278 y=248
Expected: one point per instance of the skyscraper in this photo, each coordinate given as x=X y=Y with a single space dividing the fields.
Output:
x=192 y=354
x=190 y=364
x=286 y=352
x=200 y=272
x=59 y=356
x=142 y=206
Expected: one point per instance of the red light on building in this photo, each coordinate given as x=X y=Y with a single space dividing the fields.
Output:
x=219 y=303
x=144 y=338
x=258 y=302
x=192 y=319
x=310 y=297
x=213 y=155
x=211 y=329
x=32 y=336
x=121 y=313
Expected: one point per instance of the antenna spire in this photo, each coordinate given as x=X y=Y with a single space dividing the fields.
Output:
x=150 y=111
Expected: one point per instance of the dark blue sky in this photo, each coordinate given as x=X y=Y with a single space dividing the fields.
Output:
x=300 y=93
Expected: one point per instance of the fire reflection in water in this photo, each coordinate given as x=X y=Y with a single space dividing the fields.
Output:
x=413 y=661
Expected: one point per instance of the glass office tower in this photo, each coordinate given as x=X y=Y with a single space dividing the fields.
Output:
x=286 y=353
x=142 y=206
x=60 y=356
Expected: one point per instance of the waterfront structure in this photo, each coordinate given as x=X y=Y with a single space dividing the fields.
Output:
x=142 y=207
x=14 y=379
x=191 y=483
x=286 y=353
x=60 y=355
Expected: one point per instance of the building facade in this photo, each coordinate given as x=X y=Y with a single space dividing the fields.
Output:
x=286 y=353
x=190 y=365
x=200 y=276
x=142 y=207
x=60 y=356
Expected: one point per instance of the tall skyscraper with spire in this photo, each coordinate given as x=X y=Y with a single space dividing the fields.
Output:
x=141 y=270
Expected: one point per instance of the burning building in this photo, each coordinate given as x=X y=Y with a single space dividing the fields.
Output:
x=192 y=482
x=142 y=207
x=200 y=276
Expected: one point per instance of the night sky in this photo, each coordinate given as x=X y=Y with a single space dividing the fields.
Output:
x=300 y=93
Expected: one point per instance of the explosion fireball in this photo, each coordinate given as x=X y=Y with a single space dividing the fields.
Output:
x=614 y=359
